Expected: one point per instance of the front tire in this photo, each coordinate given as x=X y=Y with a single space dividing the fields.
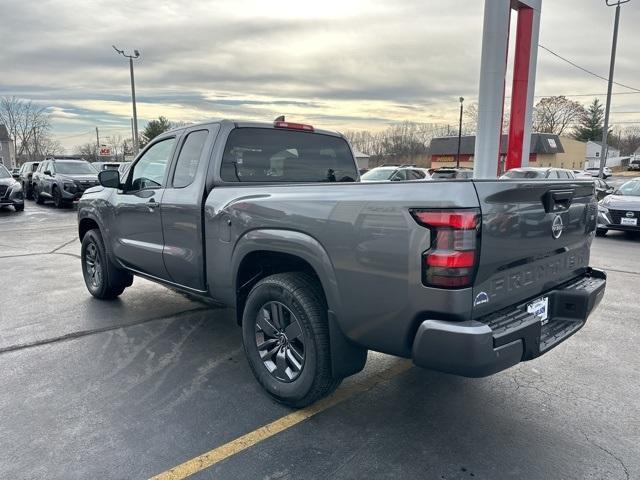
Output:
x=286 y=339
x=58 y=202
x=36 y=196
x=18 y=207
x=102 y=278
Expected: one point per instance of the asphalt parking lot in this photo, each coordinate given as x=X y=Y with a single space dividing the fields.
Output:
x=135 y=387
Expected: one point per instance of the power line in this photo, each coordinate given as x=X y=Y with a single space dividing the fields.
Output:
x=637 y=90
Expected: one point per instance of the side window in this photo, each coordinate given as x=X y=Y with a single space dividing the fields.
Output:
x=552 y=175
x=189 y=158
x=416 y=175
x=52 y=168
x=148 y=172
x=400 y=175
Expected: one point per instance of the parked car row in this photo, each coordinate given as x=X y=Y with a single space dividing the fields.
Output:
x=60 y=180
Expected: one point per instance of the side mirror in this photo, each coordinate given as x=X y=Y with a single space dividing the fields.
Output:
x=47 y=172
x=16 y=176
x=109 y=178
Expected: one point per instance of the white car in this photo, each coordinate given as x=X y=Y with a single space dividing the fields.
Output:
x=582 y=174
x=395 y=173
x=595 y=171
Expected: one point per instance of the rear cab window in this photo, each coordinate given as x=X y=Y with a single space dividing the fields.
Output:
x=273 y=155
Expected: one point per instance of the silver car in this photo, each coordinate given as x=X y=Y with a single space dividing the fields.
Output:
x=621 y=210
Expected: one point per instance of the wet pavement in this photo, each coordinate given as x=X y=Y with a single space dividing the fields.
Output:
x=134 y=387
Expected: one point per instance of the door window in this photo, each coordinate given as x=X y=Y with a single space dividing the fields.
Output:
x=189 y=158
x=148 y=172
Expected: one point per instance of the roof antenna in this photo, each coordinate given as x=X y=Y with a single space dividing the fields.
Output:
x=280 y=119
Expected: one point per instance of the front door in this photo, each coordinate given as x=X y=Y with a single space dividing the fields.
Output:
x=138 y=240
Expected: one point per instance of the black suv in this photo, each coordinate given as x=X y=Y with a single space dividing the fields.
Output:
x=26 y=177
x=63 y=180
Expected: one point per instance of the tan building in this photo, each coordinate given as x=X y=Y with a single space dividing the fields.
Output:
x=547 y=150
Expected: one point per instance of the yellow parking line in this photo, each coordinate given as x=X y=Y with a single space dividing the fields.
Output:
x=250 y=439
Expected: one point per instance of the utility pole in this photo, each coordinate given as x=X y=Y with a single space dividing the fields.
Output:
x=612 y=65
x=459 y=132
x=136 y=54
x=97 y=144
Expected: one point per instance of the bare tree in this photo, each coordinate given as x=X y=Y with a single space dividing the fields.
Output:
x=556 y=114
x=28 y=124
x=87 y=150
x=11 y=113
x=50 y=147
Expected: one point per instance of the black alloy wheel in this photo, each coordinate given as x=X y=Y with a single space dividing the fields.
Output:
x=93 y=266
x=280 y=341
x=57 y=198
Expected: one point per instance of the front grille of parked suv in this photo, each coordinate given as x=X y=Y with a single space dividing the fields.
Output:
x=617 y=215
x=3 y=190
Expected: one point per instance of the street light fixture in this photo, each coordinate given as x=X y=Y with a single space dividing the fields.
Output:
x=136 y=54
x=459 y=132
x=605 y=131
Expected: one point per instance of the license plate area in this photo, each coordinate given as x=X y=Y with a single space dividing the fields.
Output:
x=540 y=309
x=630 y=222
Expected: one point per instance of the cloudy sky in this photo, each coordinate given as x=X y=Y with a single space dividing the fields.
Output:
x=343 y=65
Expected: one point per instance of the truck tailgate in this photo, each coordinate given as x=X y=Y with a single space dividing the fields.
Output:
x=534 y=237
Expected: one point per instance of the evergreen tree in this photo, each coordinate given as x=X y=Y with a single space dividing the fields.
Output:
x=154 y=128
x=591 y=123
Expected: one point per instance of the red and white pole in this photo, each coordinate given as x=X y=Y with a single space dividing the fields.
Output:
x=495 y=44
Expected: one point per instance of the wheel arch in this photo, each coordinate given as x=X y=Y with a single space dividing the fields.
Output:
x=261 y=253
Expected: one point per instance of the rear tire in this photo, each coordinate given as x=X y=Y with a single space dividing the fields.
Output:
x=19 y=208
x=286 y=339
x=601 y=232
x=28 y=192
x=102 y=278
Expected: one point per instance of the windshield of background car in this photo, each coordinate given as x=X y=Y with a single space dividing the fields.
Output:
x=273 y=155
x=523 y=174
x=4 y=173
x=378 y=174
x=631 y=189
x=75 y=168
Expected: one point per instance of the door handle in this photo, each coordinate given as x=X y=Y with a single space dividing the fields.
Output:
x=152 y=204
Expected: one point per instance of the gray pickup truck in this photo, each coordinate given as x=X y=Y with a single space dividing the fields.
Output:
x=468 y=277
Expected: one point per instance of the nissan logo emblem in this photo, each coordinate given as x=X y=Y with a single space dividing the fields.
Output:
x=630 y=215
x=557 y=227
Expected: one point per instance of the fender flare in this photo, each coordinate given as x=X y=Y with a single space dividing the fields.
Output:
x=347 y=358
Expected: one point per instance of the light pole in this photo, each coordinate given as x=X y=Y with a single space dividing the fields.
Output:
x=605 y=131
x=136 y=54
x=459 y=132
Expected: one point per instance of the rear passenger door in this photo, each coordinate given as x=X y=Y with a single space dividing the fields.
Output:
x=182 y=208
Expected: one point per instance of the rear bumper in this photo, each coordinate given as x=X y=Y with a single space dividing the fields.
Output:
x=478 y=348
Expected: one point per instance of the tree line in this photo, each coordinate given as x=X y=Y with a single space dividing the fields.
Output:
x=29 y=126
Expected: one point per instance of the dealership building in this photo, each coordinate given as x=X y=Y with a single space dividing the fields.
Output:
x=547 y=150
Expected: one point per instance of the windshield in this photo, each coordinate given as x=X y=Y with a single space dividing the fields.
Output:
x=75 y=168
x=523 y=174
x=4 y=173
x=378 y=174
x=630 y=189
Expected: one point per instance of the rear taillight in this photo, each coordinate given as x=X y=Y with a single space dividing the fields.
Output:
x=452 y=257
